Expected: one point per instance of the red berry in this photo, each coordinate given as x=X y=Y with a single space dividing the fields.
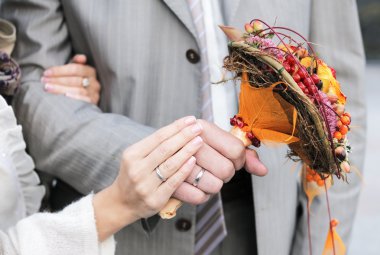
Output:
x=287 y=67
x=256 y=142
x=306 y=91
x=250 y=135
x=290 y=60
x=308 y=82
x=296 y=77
x=301 y=85
x=302 y=73
x=315 y=78
x=313 y=89
x=292 y=69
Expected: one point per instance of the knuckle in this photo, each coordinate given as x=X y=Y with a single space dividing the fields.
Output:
x=166 y=166
x=163 y=151
x=201 y=121
x=127 y=155
x=83 y=92
x=200 y=198
x=142 y=190
x=153 y=204
x=134 y=177
x=97 y=86
x=92 y=71
x=237 y=151
x=159 y=135
x=188 y=150
x=216 y=187
x=227 y=170
x=178 y=124
x=173 y=183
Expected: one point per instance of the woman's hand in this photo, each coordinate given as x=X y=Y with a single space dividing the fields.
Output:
x=76 y=80
x=139 y=190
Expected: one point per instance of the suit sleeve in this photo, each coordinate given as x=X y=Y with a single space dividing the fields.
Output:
x=336 y=31
x=71 y=139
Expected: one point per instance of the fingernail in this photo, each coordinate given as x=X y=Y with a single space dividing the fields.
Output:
x=48 y=72
x=190 y=120
x=197 y=140
x=191 y=160
x=196 y=128
x=44 y=79
x=48 y=86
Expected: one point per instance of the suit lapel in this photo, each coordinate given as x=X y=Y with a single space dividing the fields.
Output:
x=182 y=11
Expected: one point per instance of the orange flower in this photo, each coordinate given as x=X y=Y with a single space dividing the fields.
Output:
x=330 y=84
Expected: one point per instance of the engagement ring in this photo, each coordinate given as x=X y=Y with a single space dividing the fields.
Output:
x=85 y=82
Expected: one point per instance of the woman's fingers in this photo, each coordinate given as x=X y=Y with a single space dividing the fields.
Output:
x=148 y=144
x=172 y=164
x=79 y=59
x=59 y=89
x=167 y=188
x=79 y=97
x=170 y=146
x=72 y=69
x=70 y=81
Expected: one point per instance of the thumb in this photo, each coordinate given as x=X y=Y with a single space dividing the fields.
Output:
x=253 y=165
x=79 y=59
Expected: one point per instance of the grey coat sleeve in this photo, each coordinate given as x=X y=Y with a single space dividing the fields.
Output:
x=73 y=140
x=335 y=30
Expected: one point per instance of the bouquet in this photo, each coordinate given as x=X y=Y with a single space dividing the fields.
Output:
x=289 y=95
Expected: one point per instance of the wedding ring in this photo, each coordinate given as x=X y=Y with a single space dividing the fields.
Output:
x=159 y=174
x=85 y=82
x=198 y=177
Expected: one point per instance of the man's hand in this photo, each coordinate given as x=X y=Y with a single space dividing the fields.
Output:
x=220 y=156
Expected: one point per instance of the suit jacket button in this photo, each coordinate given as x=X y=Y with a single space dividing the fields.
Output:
x=183 y=225
x=192 y=56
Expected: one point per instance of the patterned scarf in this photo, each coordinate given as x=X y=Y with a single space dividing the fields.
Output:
x=9 y=75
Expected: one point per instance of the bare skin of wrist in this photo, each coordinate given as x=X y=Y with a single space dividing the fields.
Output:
x=111 y=214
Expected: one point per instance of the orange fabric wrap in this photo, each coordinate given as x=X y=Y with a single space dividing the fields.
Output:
x=268 y=115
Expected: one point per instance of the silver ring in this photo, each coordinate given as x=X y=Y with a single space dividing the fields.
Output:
x=159 y=174
x=85 y=82
x=198 y=177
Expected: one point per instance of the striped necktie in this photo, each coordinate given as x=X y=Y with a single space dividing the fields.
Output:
x=210 y=226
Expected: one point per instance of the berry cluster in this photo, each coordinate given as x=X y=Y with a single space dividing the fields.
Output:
x=309 y=84
x=342 y=126
x=238 y=122
x=313 y=176
x=341 y=150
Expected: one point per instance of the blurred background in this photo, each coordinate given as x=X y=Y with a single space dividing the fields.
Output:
x=366 y=234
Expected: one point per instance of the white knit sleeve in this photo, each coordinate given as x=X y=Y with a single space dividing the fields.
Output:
x=72 y=231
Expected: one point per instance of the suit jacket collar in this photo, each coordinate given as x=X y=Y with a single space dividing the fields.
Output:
x=181 y=9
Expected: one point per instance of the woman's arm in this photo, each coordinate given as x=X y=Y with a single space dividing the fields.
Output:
x=72 y=231
x=138 y=192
